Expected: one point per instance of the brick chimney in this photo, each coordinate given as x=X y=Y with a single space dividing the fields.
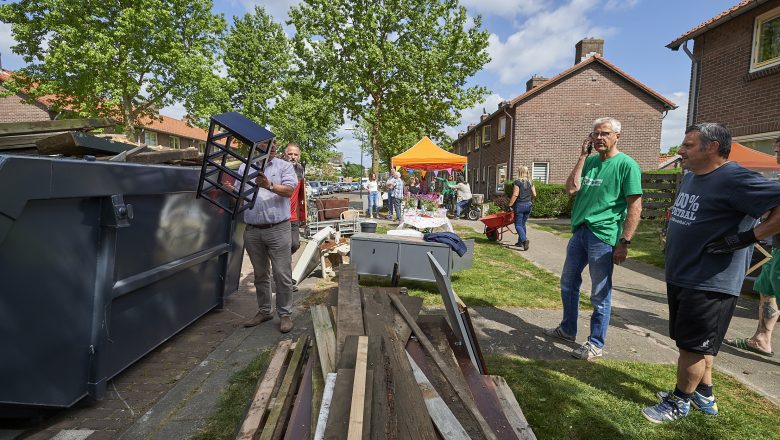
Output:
x=534 y=81
x=586 y=47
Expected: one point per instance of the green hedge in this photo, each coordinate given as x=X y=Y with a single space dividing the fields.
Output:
x=552 y=200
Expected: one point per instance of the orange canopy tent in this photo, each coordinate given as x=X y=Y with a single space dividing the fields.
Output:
x=753 y=159
x=425 y=155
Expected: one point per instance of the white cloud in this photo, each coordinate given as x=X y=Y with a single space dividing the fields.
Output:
x=176 y=110
x=544 y=42
x=505 y=8
x=276 y=8
x=9 y=59
x=673 y=128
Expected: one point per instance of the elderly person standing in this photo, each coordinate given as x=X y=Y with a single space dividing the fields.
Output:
x=268 y=240
x=398 y=195
x=604 y=218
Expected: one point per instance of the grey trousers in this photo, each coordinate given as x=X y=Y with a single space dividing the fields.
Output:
x=295 y=236
x=270 y=248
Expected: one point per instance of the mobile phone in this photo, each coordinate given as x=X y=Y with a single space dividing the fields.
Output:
x=590 y=147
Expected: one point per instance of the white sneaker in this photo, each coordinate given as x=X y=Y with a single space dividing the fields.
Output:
x=587 y=352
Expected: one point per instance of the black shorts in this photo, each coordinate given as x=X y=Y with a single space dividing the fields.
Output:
x=698 y=319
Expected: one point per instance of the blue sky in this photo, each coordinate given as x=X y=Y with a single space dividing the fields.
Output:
x=538 y=37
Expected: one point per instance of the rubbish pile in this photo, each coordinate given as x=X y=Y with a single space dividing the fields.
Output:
x=373 y=367
x=69 y=137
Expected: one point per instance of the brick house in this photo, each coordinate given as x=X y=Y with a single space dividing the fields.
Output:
x=544 y=127
x=735 y=72
x=17 y=108
x=166 y=131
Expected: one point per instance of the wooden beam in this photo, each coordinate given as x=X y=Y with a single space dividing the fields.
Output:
x=446 y=422
x=464 y=394
x=325 y=338
x=338 y=417
x=122 y=157
x=413 y=304
x=350 y=313
x=300 y=426
x=269 y=381
x=74 y=143
x=317 y=390
x=18 y=128
x=327 y=399
x=22 y=142
x=161 y=156
x=512 y=409
x=277 y=416
x=407 y=415
x=355 y=431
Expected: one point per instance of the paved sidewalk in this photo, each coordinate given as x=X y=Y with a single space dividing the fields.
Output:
x=638 y=327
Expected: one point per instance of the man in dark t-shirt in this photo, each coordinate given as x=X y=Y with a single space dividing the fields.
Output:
x=711 y=235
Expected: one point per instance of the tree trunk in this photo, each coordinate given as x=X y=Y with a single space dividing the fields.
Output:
x=127 y=114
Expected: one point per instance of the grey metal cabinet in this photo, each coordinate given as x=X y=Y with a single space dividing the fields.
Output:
x=376 y=254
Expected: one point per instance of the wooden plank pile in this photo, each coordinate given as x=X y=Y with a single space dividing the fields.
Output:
x=68 y=137
x=374 y=368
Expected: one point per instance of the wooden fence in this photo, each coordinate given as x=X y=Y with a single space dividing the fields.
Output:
x=659 y=193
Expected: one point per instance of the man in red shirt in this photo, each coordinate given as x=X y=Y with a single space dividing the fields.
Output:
x=292 y=154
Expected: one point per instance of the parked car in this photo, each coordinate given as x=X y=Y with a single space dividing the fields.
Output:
x=315 y=188
x=325 y=187
x=355 y=186
x=345 y=186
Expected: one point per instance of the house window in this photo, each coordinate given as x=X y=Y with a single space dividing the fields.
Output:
x=174 y=142
x=486 y=134
x=763 y=142
x=476 y=175
x=478 y=140
x=500 y=177
x=502 y=127
x=150 y=138
x=541 y=171
x=469 y=144
x=484 y=173
x=766 y=40
x=202 y=147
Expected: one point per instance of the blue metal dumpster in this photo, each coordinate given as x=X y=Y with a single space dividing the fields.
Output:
x=100 y=262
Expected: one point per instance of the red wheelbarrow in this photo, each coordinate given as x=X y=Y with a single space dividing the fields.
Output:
x=497 y=224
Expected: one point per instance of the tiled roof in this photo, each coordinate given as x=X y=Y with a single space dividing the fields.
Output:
x=163 y=124
x=734 y=11
x=600 y=59
x=176 y=127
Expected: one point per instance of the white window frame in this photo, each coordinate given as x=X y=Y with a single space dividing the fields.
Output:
x=148 y=136
x=477 y=138
x=484 y=174
x=501 y=179
x=174 y=140
x=755 y=65
x=486 y=130
x=502 y=127
x=469 y=143
x=546 y=171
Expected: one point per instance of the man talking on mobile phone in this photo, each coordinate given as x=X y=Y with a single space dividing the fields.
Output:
x=606 y=212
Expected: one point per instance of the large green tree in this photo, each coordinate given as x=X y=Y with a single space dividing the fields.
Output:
x=123 y=59
x=399 y=65
x=263 y=81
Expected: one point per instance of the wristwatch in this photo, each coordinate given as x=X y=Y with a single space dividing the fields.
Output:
x=624 y=241
x=270 y=186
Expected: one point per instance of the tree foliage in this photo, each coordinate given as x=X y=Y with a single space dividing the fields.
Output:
x=121 y=59
x=263 y=82
x=353 y=170
x=400 y=65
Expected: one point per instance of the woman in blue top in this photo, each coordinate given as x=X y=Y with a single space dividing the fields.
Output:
x=523 y=194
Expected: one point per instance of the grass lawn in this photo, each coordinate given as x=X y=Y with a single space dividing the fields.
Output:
x=499 y=277
x=645 y=245
x=226 y=419
x=603 y=400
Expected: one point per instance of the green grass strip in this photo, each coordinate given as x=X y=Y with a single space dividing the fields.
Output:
x=572 y=399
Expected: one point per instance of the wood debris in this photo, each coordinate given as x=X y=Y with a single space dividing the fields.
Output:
x=368 y=380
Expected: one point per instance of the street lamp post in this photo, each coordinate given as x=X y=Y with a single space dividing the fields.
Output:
x=362 y=170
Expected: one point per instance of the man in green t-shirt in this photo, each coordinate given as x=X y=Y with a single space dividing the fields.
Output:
x=606 y=212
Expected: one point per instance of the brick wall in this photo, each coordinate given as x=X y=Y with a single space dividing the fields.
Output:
x=728 y=93
x=14 y=109
x=551 y=125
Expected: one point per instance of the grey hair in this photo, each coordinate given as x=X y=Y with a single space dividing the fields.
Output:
x=713 y=132
x=614 y=123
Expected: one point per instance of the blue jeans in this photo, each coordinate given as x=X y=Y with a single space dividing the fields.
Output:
x=522 y=212
x=372 y=206
x=585 y=249
x=390 y=205
x=461 y=205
